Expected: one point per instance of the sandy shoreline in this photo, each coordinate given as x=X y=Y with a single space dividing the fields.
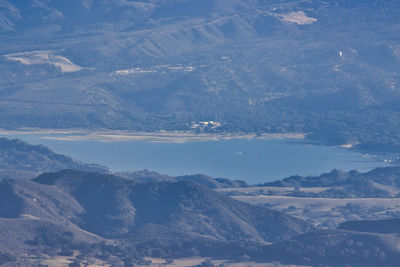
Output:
x=124 y=136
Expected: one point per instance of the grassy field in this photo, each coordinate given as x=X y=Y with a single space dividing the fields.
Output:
x=197 y=261
x=62 y=261
x=328 y=212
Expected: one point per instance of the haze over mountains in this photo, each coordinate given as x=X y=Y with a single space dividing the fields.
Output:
x=328 y=68
x=378 y=183
x=63 y=211
x=101 y=216
x=115 y=208
x=76 y=216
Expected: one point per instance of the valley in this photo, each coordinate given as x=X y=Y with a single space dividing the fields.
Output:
x=141 y=66
x=199 y=133
x=143 y=218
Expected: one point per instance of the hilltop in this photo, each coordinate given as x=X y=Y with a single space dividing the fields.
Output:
x=204 y=66
x=73 y=210
x=103 y=217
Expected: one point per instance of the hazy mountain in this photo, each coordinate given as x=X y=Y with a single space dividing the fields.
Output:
x=378 y=183
x=249 y=65
x=101 y=216
x=113 y=206
x=212 y=182
x=68 y=209
x=19 y=159
x=146 y=176
x=338 y=248
x=384 y=175
x=333 y=198
x=120 y=220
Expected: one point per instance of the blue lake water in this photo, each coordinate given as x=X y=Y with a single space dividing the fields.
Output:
x=251 y=160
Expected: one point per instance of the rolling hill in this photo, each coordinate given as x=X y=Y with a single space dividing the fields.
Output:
x=102 y=214
x=338 y=248
x=113 y=206
x=377 y=183
x=250 y=66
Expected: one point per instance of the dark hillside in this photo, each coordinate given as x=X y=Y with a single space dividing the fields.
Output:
x=114 y=206
x=107 y=210
x=337 y=248
x=193 y=208
x=378 y=183
x=391 y=226
x=108 y=217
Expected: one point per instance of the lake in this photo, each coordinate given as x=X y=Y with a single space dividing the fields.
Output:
x=254 y=160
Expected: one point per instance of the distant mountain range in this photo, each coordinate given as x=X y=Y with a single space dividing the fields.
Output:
x=146 y=176
x=96 y=206
x=324 y=68
x=378 y=183
x=103 y=216
x=99 y=217
x=19 y=159
x=338 y=248
x=331 y=199
x=114 y=206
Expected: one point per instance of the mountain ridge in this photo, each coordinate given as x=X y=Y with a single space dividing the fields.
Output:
x=165 y=203
x=162 y=65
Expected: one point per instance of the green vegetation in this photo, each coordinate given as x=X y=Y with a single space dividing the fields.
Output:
x=245 y=65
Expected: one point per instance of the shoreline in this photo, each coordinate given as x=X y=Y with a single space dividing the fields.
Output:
x=103 y=135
